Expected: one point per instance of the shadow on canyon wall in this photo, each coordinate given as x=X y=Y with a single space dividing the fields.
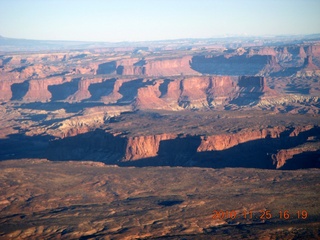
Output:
x=251 y=154
x=107 y=68
x=19 y=146
x=98 y=90
x=19 y=90
x=303 y=160
x=129 y=90
x=64 y=90
x=235 y=65
x=181 y=151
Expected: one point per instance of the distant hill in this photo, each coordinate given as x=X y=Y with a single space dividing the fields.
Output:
x=17 y=44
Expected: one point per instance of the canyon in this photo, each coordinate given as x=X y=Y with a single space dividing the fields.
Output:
x=148 y=111
x=57 y=96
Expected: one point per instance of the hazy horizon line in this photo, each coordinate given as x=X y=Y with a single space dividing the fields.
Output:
x=173 y=39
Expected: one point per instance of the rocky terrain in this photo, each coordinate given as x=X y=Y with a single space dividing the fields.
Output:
x=90 y=200
x=212 y=104
x=50 y=97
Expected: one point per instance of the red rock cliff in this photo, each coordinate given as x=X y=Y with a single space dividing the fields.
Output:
x=225 y=141
x=83 y=89
x=149 y=97
x=169 y=67
x=38 y=89
x=144 y=146
x=148 y=146
x=5 y=90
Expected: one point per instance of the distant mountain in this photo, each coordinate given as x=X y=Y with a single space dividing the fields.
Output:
x=17 y=44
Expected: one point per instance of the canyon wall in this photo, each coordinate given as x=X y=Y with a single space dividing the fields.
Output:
x=5 y=90
x=303 y=156
x=148 y=67
x=119 y=148
x=189 y=92
x=144 y=146
x=169 y=67
x=225 y=141
x=33 y=77
x=97 y=145
x=234 y=65
x=144 y=93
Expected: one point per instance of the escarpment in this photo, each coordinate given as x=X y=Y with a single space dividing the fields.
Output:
x=184 y=105
x=166 y=80
x=199 y=92
x=170 y=93
x=225 y=141
x=251 y=89
x=115 y=148
x=235 y=65
x=189 y=93
x=306 y=155
x=144 y=146
x=148 y=67
x=5 y=89
x=149 y=146
x=170 y=67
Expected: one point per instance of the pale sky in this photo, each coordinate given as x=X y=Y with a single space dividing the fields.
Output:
x=144 y=20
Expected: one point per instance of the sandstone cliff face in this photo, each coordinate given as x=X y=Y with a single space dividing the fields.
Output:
x=300 y=129
x=83 y=89
x=310 y=149
x=225 y=141
x=267 y=51
x=302 y=52
x=144 y=146
x=307 y=151
x=272 y=65
x=140 y=147
x=200 y=92
x=186 y=93
x=149 y=97
x=282 y=156
x=169 y=67
x=308 y=69
x=282 y=61
x=222 y=90
x=251 y=90
x=194 y=92
x=38 y=90
x=314 y=50
x=148 y=67
x=172 y=92
x=5 y=90
x=308 y=64
x=114 y=96
x=82 y=92
x=132 y=66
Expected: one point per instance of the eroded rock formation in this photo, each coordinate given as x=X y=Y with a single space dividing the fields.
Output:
x=69 y=94
x=114 y=148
